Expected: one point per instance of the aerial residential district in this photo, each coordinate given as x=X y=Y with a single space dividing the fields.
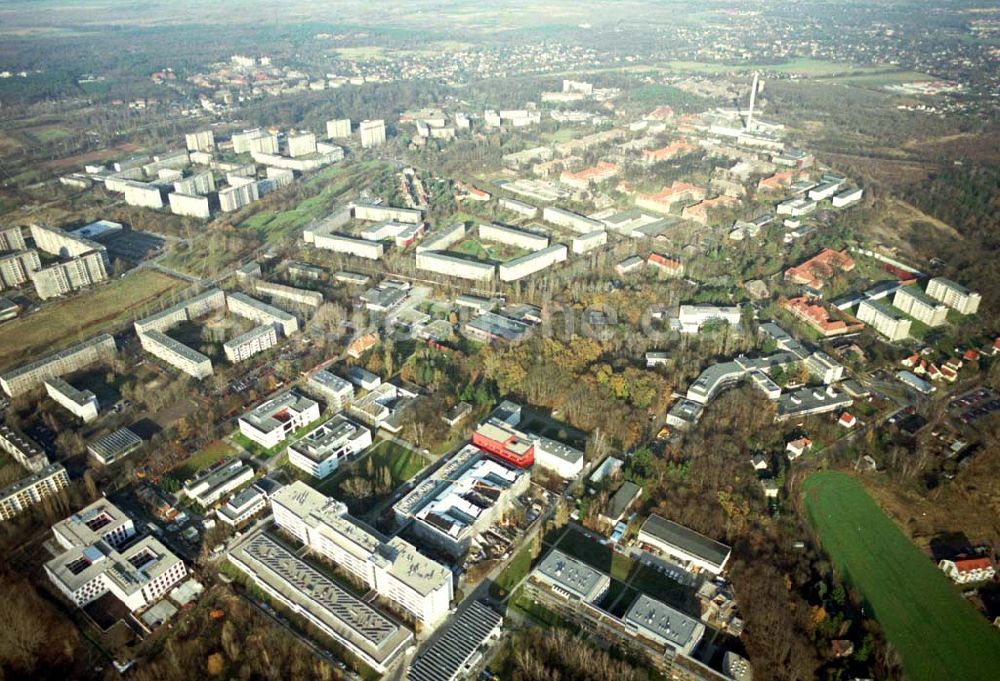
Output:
x=522 y=361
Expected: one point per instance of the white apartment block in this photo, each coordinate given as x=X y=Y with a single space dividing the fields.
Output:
x=920 y=306
x=176 y=354
x=12 y=239
x=884 y=319
x=320 y=451
x=203 y=140
x=262 y=313
x=270 y=423
x=570 y=220
x=189 y=205
x=693 y=317
x=233 y=198
x=27 y=492
x=372 y=133
x=454 y=266
x=99 y=559
x=252 y=342
x=443 y=238
x=588 y=242
x=394 y=568
x=370 y=250
x=16 y=268
x=28 y=376
x=200 y=183
x=332 y=389
x=375 y=212
x=824 y=367
x=530 y=241
x=81 y=403
x=339 y=128
x=212 y=485
x=526 y=265
x=143 y=194
x=519 y=207
x=186 y=310
x=298 y=296
x=301 y=144
x=954 y=295
x=255 y=140
x=64 y=277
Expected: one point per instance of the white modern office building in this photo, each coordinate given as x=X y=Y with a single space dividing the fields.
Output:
x=100 y=557
x=394 y=568
x=320 y=451
x=270 y=423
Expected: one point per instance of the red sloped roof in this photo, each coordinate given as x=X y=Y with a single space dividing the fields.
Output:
x=970 y=564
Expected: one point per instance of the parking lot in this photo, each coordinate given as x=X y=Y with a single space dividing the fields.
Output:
x=975 y=404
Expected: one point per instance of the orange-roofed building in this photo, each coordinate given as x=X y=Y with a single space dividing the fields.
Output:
x=662 y=201
x=968 y=570
x=582 y=179
x=818 y=317
x=668 y=266
x=361 y=345
x=814 y=271
x=699 y=211
x=669 y=152
x=781 y=179
x=660 y=113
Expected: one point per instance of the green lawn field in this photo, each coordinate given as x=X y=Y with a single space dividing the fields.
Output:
x=938 y=634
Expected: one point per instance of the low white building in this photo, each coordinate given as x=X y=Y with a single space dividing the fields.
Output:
x=526 y=265
x=563 y=460
x=684 y=544
x=320 y=451
x=588 y=242
x=370 y=250
x=270 y=423
x=968 y=570
x=454 y=266
x=212 y=485
x=81 y=403
x=99 y=558
x=693 y=317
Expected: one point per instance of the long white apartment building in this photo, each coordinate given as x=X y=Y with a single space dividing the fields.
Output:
x=81 y=403
x=256 y=311
x=189 y=205
x=520 y=207
x=693 y=317
x=28 y=376
x=100 y=557
x=588 y=242
x=320 y=451
x=203 y=140
x=443 y=238
x=253 y=342
x=22 y=448
x=891 y=324
x=371 y=636
x=269 y=424
x=453 y=266
x=570 y=220
x=197 y=184
x=186 y=310
x=526 y=265
x=29 y=491
x=339 y=128
x=372 y=133
x=377 y=212
x=64 y=277
x=954 y=295
x=394 y=568
x=16 y=268
x=144 y=194
x=332 y=389
x=339 y=243
x=299 y=296
x=914 y=302
x=461 y=499
x=503 y=234
x=212 y=485
x=176 y=354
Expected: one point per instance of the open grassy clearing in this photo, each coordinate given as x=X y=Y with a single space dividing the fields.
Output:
x=212 y=452
x=938 y=634
x=802 y=67
x=62 y=323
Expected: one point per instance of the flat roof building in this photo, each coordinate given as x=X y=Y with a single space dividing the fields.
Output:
x=80 y=403
x=891 y=324
x=176 y=354
x=393 y=568
x=23 y=449
x=114 y=446
x=811 y=401
x=253 y=342
x=529 y=264
x=574 y=578
x=250 y=308
x=186 y=310
x=365 y=632
x=954 y=295
x=320 y=451
x=684 y=544
x=914 y=302
x=521 y=238
x=211 y=485
x=27 y=376
x=460 y=647
x=26 y=492
x=330 y=388
x=650 y=618
x=270 y=423
x=454 y=266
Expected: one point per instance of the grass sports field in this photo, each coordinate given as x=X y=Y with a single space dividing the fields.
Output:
x=938 y=634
